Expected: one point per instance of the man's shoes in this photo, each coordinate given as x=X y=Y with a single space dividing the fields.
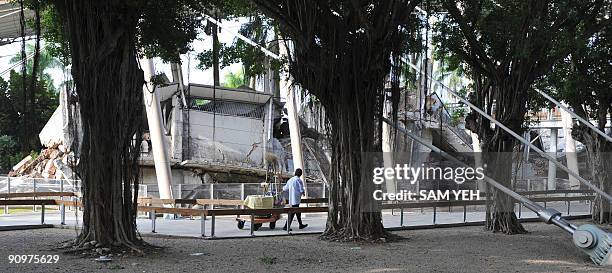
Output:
x=285 y=228
x=303 y=226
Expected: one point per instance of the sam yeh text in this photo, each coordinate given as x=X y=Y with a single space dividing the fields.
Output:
x=427 y=195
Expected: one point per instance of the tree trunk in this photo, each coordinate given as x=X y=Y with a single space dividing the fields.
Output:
x=500 y=216
x=352 y=215
x=599 y=154
x=345 y=61
x=498 y=148
x=109 y=84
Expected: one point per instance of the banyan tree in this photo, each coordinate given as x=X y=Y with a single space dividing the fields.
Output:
x=106 y=40
x=108 y=83
x=345 y=53
x=509 y=45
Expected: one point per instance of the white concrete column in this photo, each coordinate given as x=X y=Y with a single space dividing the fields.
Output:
x=482 y=185
x=570 y=149
x=296 y=137
x=387 y=148
x=552 y=168
x=156 y=129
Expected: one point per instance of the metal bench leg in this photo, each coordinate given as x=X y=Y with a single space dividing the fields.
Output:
x=153 y=218
x=63 y=214
x=252 y=224
x=434 y=215
x=212 y=227
x=203 y=225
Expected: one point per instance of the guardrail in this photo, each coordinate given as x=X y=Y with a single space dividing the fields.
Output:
x=153 y=206
x=36 y=202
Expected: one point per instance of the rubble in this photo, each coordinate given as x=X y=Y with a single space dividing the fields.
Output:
x=52 y=162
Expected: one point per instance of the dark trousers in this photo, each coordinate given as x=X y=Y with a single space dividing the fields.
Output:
x=299 y=216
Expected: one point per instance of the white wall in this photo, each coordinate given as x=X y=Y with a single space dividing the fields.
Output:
x=234 y=137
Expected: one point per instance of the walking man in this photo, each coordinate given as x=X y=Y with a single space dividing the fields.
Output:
x=295 y=187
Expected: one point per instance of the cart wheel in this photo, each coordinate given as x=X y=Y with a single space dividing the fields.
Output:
x=257 y=226
x=272 y=225
x=240 y=224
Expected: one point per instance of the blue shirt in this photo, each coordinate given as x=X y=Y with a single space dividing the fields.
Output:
x=295 y=188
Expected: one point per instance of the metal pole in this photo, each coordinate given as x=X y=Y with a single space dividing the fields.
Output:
x=434 y=214
x=42 y=214
x=212 y=196
x=8 y=187
x=550 y=216
x=180 y=195
x=253 y=224
x=62 y=214
x=212 y=226
x=242 y=191
x=464 y=213
x=401 y=217
x=203 y=225
x=153 y=218
x=552 y=169
x=287 y=223
x=34 y=189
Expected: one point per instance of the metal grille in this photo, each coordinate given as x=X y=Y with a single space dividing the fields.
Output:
x=230 y=108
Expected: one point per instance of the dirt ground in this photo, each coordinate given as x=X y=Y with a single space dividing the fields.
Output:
x=465 y=249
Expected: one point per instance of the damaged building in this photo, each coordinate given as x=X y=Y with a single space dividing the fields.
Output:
x=214 y=135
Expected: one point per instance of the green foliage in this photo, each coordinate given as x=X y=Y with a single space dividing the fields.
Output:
x=46 y=60
x=165 y=28
x=55 y=43
x=259 y=29
x=9 y=153
x=509 y=44
x=234 y=80
x=168 y=27
x=12 y=105
x=457 y=115
x=584 y=78
x=268 y=260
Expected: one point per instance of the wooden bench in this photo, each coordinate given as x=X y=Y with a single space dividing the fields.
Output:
x=154 y=205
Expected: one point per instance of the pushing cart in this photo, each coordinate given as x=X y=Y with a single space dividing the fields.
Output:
x=271 y=198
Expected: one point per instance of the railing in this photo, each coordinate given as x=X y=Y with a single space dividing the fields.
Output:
x=154 y=206
x=37 y=202
x=236 y=191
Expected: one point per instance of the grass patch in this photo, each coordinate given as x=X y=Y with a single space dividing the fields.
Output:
x=268 y=260
x=24 y=209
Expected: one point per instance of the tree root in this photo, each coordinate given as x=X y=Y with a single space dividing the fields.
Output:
x=505 y=222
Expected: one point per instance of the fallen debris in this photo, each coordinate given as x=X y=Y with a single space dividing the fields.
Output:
x=52 y=162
